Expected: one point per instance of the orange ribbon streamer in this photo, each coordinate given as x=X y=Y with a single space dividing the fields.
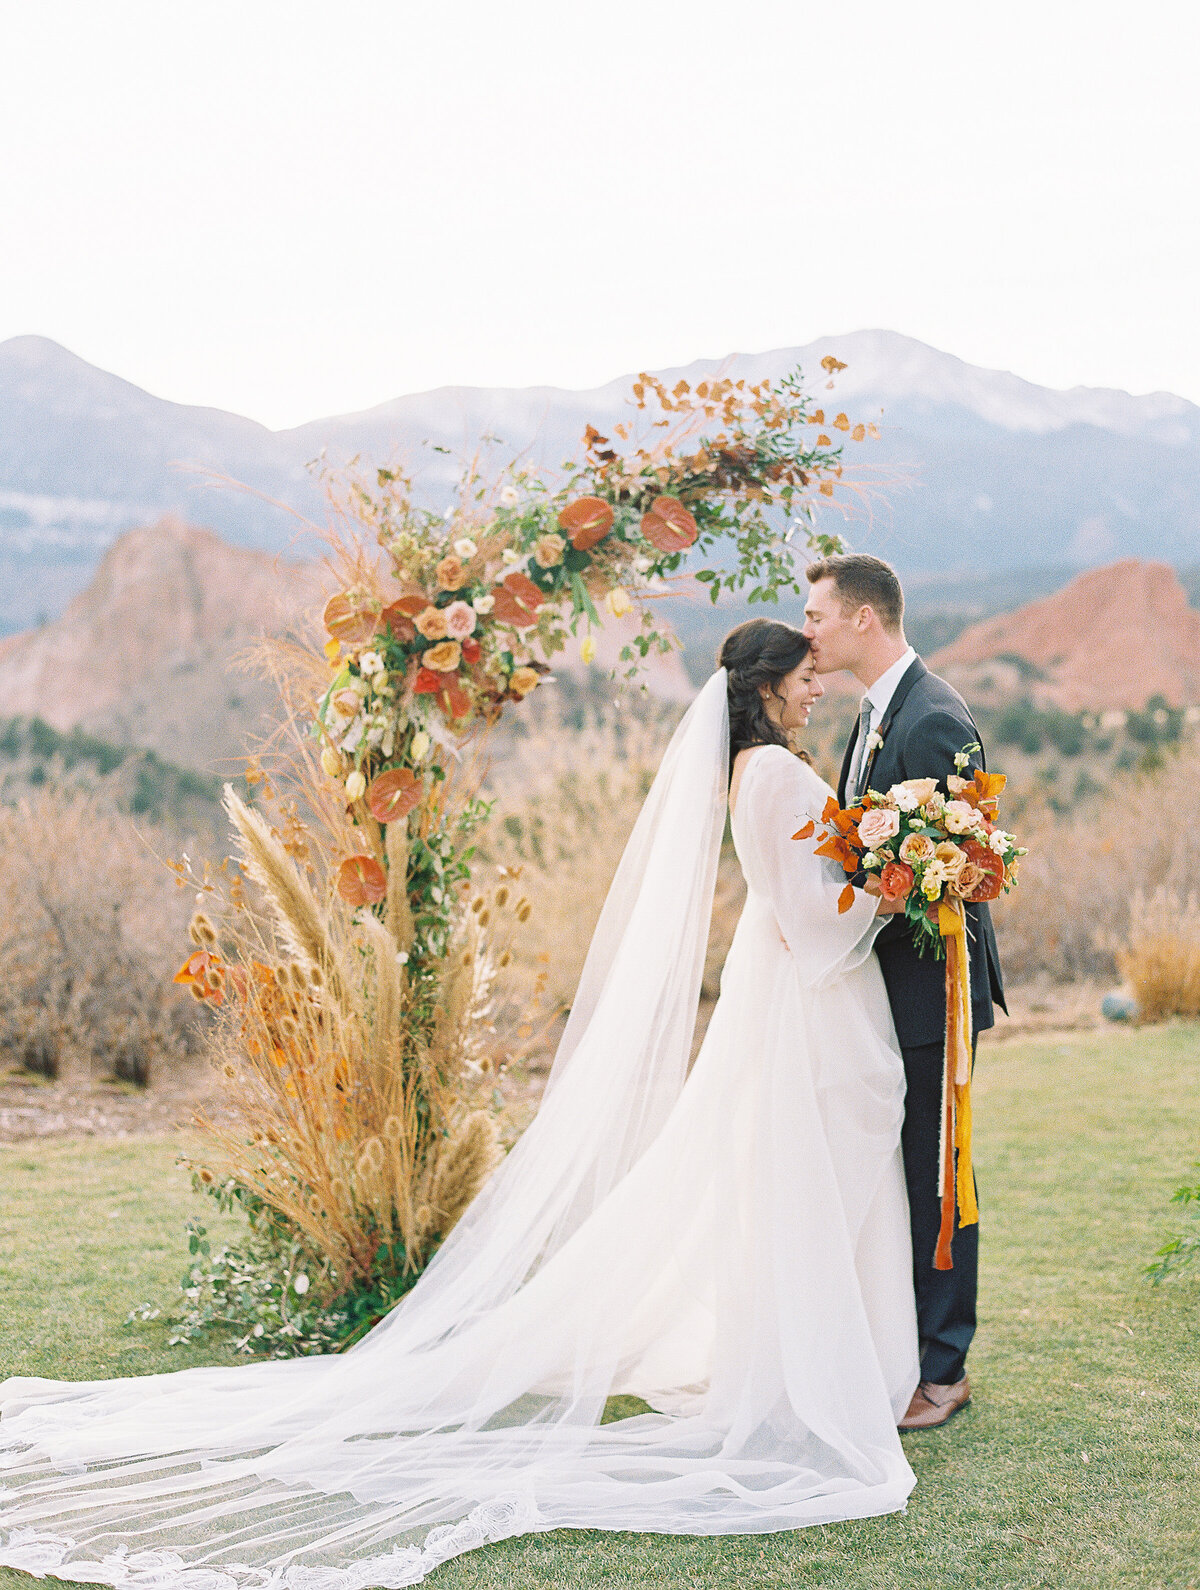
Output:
x=956 y=1178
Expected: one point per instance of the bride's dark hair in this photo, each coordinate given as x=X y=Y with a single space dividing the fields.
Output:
x=759 y=652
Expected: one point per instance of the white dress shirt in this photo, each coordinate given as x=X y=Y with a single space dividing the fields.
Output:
x=881 y=692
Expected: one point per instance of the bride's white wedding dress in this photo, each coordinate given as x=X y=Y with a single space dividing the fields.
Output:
x=732 y=1246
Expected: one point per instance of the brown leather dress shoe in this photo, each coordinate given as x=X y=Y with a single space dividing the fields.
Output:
x=933 y=1405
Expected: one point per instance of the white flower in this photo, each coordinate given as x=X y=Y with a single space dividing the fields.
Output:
x=510 y=556
x=905 y=799
x=874 y=740
x=300 y=1284
x=401 y=957
x=643 y=565
x=484 y=604
x=960 y=818
x=999 y=841
x=509 y=496
x=370 y=662
x=465 y=548
x=356 y=785
x=376 y=733
x=961 y=758
x=419 y=749
x=257 y=1331
x=870 y=859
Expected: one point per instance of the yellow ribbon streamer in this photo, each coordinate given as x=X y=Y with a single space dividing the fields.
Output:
x=956 y=1183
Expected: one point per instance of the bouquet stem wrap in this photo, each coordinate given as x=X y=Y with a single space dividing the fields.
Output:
x=956 y=1177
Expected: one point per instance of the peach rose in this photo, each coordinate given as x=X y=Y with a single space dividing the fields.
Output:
x=460 y=620
x=548 y=551
x=432 y=623
x=878 y=825
x=951 y=858
x=444 y=658
x=524 y=680
x=966 y=880
x=450 y=573
x=916 y=848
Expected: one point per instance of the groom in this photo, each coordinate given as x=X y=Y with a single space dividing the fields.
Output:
x=911 y=725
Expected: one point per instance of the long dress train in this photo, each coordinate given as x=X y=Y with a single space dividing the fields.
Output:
x=732 y=1246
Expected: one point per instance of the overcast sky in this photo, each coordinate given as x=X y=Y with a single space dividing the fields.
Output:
x=296 y=209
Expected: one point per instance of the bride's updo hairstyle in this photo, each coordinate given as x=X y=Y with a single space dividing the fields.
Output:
x=759 y=652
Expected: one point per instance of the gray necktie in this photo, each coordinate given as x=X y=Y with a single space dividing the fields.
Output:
x=854 y=787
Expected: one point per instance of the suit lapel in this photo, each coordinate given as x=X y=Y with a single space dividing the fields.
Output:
x=915 y=670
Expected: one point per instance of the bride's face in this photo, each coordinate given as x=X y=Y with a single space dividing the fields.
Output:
x=791 y=701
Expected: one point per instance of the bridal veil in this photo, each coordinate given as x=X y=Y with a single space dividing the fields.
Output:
x=702 y=1242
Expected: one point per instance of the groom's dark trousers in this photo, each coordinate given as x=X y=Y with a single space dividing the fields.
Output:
x=926 y=724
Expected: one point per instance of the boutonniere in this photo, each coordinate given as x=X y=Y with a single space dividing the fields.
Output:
x=874 y=740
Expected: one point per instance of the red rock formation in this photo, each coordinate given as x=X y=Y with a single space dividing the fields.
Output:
x=1113 y=637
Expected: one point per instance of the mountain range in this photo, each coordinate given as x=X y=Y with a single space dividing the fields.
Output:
x=975 y=470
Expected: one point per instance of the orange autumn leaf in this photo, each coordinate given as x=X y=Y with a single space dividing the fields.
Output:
x=858 y=433
x=587 y=521
x=845 y=899
x=818 y=417
x=394 y=794
x=824 y=441
x=517 y=601
x=826 y=488
x=841 y=423
x=807 y=831
x=361 y=881
x=669 y=526
x=829 y=364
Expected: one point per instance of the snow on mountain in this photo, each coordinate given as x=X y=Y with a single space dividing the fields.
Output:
x=977 y=468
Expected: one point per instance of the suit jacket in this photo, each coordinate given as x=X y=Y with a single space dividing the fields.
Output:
x=927 y=722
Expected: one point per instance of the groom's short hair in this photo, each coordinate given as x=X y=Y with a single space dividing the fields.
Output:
x=863 y=581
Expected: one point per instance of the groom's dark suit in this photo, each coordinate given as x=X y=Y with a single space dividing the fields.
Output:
x=926 y=723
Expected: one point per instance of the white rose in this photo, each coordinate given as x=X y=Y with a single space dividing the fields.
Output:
x=484 y=604
x=465 y=548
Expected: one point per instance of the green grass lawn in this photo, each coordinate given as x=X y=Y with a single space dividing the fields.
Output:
x=1077 y=1464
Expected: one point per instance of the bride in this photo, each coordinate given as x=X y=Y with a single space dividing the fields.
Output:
x=731 y=1246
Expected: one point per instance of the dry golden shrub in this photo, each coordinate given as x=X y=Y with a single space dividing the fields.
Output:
x=1071 y=910
x=1161 y=957
x=564 y=802
x=89 y=917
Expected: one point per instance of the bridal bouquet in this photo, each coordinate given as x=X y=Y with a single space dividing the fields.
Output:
x=926 y=849
x=938 y=853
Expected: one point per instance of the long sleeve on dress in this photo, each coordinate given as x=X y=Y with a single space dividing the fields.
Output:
x=778 y=795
